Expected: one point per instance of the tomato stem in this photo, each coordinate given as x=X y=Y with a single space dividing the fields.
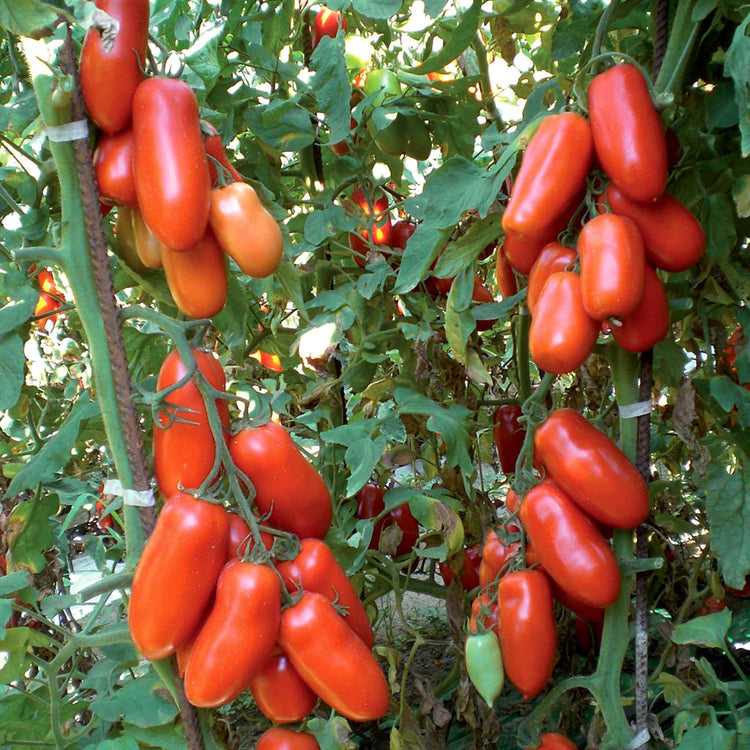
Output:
x=682 y=38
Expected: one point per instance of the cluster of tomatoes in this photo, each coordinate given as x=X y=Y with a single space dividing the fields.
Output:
x=639 y=228
x=590 y=488
x=50 y=300
x=279 y=618
x=181 y=204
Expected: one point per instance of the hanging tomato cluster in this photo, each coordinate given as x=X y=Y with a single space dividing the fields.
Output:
x=50 y=299
x=181 y=204
x=590 y=487
x=640 y=227
x=204 y=592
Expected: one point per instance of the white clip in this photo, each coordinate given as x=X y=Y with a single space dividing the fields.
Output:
x=136 y=498
x=639 y=409
x=71 y=131
x=639 y=740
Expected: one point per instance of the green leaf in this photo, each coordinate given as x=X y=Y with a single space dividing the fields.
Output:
x=433 y=8
x=202 y=56
x=422 y=248
x=728 y=509
x=167 y=737
x=714 y=737
x=369 y=283
x=6 y=610
x=435 y=515
x=23 y=18
x=721 y=234
x=459 y=322
x=55 y=453
x=121 y=743
x=29 y=533
x=16 y=312
x=283 y=124
x=669 y=362
x=737 y=67
x=377 y=9
x=456 y=41
x=13 y=582
x=12 y=365
x=363 y=450
x=463 y=252
x=138 y=702
x=701 y=9
x=729 y=395
x=14 y=646
x=331 y=85
x=330 y=734
x=709 y=630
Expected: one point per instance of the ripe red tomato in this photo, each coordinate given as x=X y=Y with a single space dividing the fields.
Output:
x=197 y=278
x=504 y=276
x=113 y=167
x=400 y=233
x=269 y=361
x=278 y=738
x=674 y=239
x=582 y=610
x=612 y=266
x=553 y=171
x=528 y=635
x=169 y=162
x=234 y=209
x=711 y=606
x=370 y=504
x=147 y=246
x=239 y=534
x=491 y=618
x=286 y=486
x=649 y=323
x=628 y=135
x=482 y=295
x=238 y=637
x=44 y=305
x=554 y=741
x=176 y=574
x=469 y=571
x=315 y=569
x=332 y=659
x=215 y=149
x=495 y=555
x=508 y=435
x=554 y=257
x=585 y=464
x=184 y=453
x=327 y=23
x=562 y=335
x=109 y=79
x=280 y=693
x=379 y=226
x=569 y=546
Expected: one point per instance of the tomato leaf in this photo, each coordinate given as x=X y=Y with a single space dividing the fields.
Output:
x=15 y=645
x=331 y=85
x=363 y=450
x=433 y=8
x=737 y=67
x=714 y=737
x=718 y=217
x=17 y=311
x=709 y=630
x=13 y=582
x=29 y=534
x=27 y=17
x=727 y=495
x=12 y=365
x=456 y=41
x=55 y=453
x=377 y=9
x=462 y=252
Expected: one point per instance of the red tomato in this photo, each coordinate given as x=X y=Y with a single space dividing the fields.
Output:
x=370 y=504
x=585 y=464
x=215 y=149
x=169 y=162
x=286 y=486
x=238 y=637
x=553 y=741
x=482 y=295
x=197 y=278
x=504 y=276
x=332 y=659
x=469 y=572
x=491 y=615
x=280 y=693
x=176 y=574
x=528 y=635
x=743 y=593
x=269 y=361
x=380 y=225
x=46 y=304
x=612 y=266
x=554 y=257
x=509 y=436
x=147 y=246
x=511 y=500
x=278 y=738
x=628 y=135
x=327 y=23
x=184 y=453
x=649 y=323
x=239 y=534
x=495 y=555
x=582 y=610
x=315 y=569
x=570 y=547
x=562 y=335
x=409 y=526
x=234 y=209
x=400 y=233
x=553 y=171
x=674 y=239
x=113 y=167
x=109 y=78
x=711 y=606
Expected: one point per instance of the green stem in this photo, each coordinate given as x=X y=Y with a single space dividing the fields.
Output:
x=602 y=27
x=484 y=73
x=53 y=96
x=682 y=37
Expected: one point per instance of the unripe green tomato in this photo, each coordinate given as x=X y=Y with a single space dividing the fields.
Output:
x=484 y=665
x=384 y=82
x=394 y=139
x=418 y=144
x=357 y=54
